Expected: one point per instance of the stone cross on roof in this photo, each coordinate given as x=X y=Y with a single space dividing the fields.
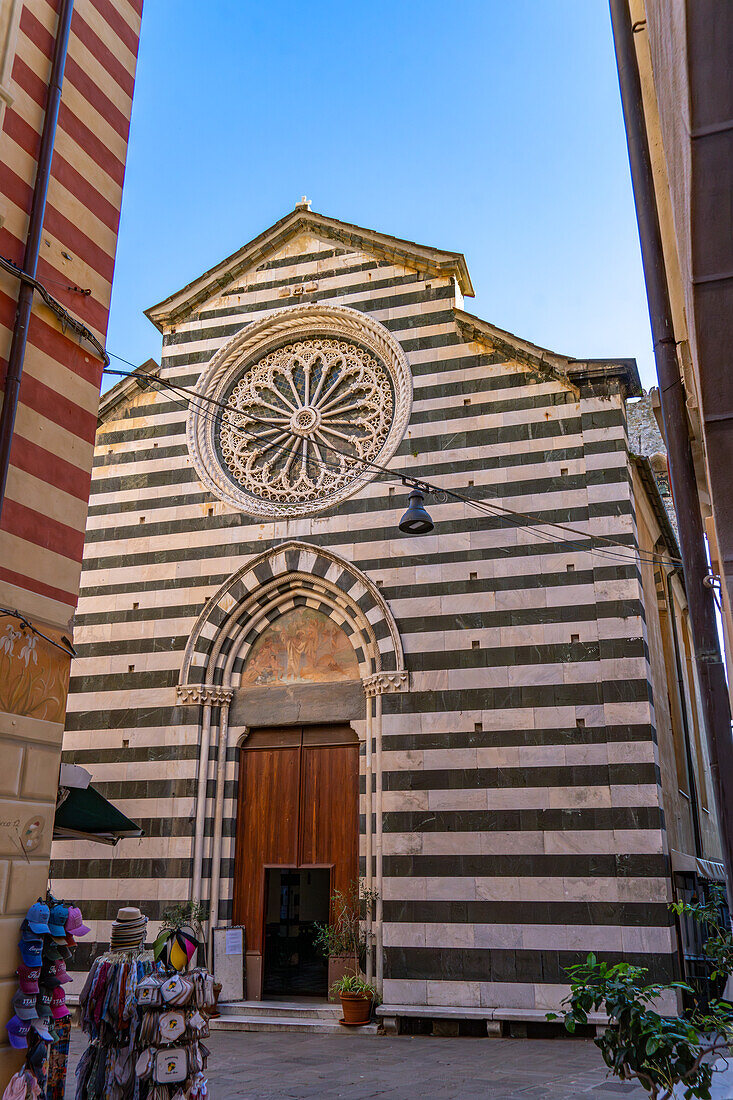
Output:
x=304 y=204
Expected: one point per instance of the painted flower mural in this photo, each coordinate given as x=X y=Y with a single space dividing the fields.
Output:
x=33 y=675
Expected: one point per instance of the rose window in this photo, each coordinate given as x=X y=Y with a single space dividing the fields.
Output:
x=304 y=421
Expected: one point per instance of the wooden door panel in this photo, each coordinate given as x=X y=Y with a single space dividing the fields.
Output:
x=267 y=829
x=329 y=814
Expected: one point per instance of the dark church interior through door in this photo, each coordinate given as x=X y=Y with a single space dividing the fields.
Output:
x=296 y=844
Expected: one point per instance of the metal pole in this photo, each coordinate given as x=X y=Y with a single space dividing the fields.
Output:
x=33 y=243
x=703 y=625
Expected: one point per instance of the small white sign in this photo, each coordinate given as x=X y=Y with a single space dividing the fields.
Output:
x=233 y=941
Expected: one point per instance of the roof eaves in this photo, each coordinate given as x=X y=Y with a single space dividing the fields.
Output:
x=123 y=389
x=649 y=481
x=434 y=260
x=543 y=362
x=604 y=370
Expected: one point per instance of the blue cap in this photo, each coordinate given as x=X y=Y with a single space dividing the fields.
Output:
x=18 y=1032
x=58 y=918
x=31 y=951
x=37 y=917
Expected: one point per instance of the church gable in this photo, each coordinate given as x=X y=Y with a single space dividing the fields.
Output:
x=311 y=267
x=301 y=228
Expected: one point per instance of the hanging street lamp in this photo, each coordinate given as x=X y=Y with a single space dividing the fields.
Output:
x=416 y=520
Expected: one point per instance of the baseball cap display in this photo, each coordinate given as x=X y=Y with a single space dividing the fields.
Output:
x=49 y=976
x=37 y=917
x=24 y=1005
x=41 y=1028
x=28 y=978
x=74 y=924
x=31 y=951
x=57 y=920
x=27 y=933
x=51 y=952
x=18 y=1032
x=62 y=974
x=37 y=1058
x=58 y=1004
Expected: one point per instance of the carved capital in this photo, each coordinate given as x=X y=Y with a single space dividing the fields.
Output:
x=213 y=694
x=382 y=682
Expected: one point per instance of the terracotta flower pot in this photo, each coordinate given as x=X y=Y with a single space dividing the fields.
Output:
x=356 y=1008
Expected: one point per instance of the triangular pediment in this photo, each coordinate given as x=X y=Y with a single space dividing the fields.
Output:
x=294 y=235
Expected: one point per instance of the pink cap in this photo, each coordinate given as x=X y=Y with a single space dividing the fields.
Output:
x=58 y=1004
x=74 y=924
x=28 y=977
x=62 y=974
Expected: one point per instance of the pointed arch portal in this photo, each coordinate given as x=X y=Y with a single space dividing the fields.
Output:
x=288 y=661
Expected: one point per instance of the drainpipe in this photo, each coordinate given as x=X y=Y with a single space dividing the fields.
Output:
x=33 y=242
x=694 y=803
x=708 y=658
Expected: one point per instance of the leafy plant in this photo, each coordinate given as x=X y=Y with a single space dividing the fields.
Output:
x=185 y=912
x=718 y=943
x=345 y=935
x=641 y=1044
x=192 y=913
x=353 y=983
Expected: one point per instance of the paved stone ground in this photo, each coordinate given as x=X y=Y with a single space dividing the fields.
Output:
x=266 y=1066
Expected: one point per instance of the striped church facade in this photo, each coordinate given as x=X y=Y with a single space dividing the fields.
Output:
x=511 y=810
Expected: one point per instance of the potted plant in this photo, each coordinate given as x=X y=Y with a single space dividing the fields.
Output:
x=344 y=942
x=357 y=998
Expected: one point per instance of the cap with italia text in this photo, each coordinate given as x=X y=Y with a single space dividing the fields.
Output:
x=18 y=1032
x=28 y=977
x=24 y=1005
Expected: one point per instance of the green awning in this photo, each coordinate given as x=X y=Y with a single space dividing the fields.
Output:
x=85 y=814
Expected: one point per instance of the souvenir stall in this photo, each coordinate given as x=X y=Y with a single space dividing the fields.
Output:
x=41 y=1022
x=146 y=1015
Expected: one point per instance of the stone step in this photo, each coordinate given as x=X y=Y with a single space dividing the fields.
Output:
x=246 y=1022
x=298 y=1010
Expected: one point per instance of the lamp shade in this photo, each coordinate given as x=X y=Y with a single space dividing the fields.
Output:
x=416 y=520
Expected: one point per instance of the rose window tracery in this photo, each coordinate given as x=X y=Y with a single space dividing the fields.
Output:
x=301 y=422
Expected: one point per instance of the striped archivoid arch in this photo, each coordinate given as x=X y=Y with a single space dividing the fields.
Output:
x=293 y=574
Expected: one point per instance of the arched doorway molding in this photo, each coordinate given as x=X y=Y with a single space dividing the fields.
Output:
x=292 y=574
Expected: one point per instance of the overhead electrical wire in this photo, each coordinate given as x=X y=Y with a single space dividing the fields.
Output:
x=486 y=508
x=619 y=551
x=496 y=511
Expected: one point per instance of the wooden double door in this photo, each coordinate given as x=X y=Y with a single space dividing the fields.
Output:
x=298 y=808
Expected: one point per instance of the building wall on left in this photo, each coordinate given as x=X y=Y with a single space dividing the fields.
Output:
x=44 y=512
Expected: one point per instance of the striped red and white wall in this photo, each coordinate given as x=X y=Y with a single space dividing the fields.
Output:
x=45 y=508
x=42 y=526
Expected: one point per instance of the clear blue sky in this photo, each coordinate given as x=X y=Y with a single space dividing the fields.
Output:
x=488 y=128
